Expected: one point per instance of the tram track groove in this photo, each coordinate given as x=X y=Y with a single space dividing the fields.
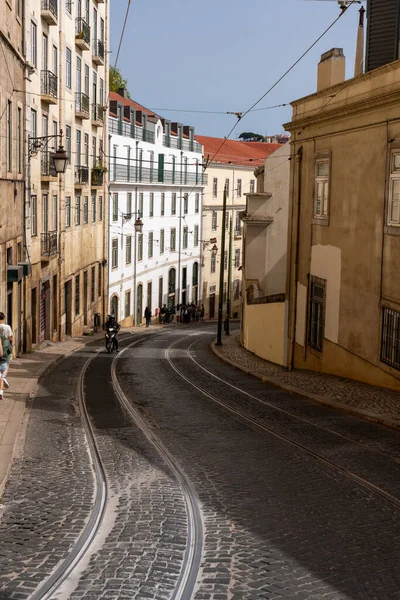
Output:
x=261 y=426
x=194 y=547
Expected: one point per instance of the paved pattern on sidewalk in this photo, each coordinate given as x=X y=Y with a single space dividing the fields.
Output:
x=376 y=401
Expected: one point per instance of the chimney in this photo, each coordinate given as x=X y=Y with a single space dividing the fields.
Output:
x=122 y=92
x=359 y=62
x=331 y=69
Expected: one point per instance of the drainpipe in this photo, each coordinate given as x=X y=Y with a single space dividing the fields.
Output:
x=295 y=257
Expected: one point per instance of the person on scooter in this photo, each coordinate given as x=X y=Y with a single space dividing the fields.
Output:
x=111 y=323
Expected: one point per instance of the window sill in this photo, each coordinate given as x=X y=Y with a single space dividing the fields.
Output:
x=323 y=221
x=314 y=351
x=392 y=229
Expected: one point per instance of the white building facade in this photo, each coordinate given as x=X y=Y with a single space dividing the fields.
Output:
x=155 y=175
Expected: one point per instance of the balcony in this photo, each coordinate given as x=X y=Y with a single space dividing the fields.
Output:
x=82 y=34
x=81 y=176
x=82 y=106
x=97 y=115
x=48 y=172
x=48 y=87
x=48 y=245
x=49 y=11
x=98 y=52
x=97 y=177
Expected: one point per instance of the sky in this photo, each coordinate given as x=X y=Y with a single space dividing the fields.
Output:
x=222 y=55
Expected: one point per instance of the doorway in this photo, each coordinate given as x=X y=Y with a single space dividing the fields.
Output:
x=68 y=307
x=44 y=312
x=139 y=304
x=34 y=316
x=212 y=306
x=114 y=307
x=85 y=298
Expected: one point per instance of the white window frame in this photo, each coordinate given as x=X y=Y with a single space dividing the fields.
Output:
x=393 y=219
x=114 y=253
x=321 y=203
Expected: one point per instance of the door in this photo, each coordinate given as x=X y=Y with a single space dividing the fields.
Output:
x=160 y=293
x=34 y=316
x=114 y=307
x=68 y=307
x=18 y=340
x=139 y=304
x=85 y=298
x=95 y=27
x=55 y=311
x=212 y=306
x=43 y=312
x=45 y=53
x=171 y=288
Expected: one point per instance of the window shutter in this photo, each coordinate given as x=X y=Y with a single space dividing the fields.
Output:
x=382 y=33
x=161 y=168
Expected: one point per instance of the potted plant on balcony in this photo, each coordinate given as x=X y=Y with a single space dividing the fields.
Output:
x=97 y=173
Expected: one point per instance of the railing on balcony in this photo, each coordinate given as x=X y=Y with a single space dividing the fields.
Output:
x=98 y=50
x=181 y=144
x=82 y=105
x=130 y=130
x=47 y=165
x=48 y=84
x=82 y=30
x=49 y=243
x=97 y=177
x=51 y=7
x=98 y=113
x=81 y=175
x=134 y=174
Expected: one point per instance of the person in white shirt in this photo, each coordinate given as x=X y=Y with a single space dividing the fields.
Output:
x=5 y=334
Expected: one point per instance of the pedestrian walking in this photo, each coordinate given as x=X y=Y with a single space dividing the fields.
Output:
x=147 y=316
x=6 y=338
x=3 y=368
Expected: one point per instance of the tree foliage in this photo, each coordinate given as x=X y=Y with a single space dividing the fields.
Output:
x=117 y=81
x=249 y=136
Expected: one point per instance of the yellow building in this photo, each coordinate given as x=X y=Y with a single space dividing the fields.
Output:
x=344 y=225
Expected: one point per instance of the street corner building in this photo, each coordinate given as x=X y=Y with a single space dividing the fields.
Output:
x=156 y=186
x=65 y=228
x=344 y=225
x=231 y=169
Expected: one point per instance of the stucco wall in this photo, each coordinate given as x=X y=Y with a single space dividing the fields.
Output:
x=264 y=333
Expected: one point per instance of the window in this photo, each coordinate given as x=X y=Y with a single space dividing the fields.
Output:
x=196 y=203
x=238 y=227
x=214 y=220
x=215 y=187
x=129 y=203
x=173 y=204
x=317 y=313
x=34 y=215
x=227 y=220
x=151 y=153
x=252 y=186
x=390 y=342
x=150 y=245
x=78 y=148
x=239 y=188
x=114 y=253
x=99 y=281
x=162 y=204
x=225 y=260
x=127 y=304
x=33 y=44
x=196 y=235
x=213 y=263
x=9 y=135
x=93 y=208
x=162 y=241
x=68 y=211
x=195 y=274
x=115 y=207
x=86 y=149
x=236 y=289
x=55 y=212
x=160 y=175
x=100 y=208
x=227 y=187
x=185 y=204
x=140 y=246
x=45 y=214
x=33 y=123
x=78 y=210
x=68 y=141
x=140 y=211
x=173 y=169
x=94 y=150
x=92 y=283
x=149 y=294
x=172 y=239
x=394 y=191
x=85 y=210
x=321 y=189
x=77 y=294
x=86 y=80
x=128 y=255
x=68 y=6
x=185 y=237
x=68 y=67
x=151 y=206
x=19 y=140
x=237 y=258
x=185 y=170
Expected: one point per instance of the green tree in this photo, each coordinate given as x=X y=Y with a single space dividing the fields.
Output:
x=249 y=136
x=117 y=81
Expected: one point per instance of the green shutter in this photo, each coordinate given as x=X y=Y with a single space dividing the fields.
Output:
x=161 y=168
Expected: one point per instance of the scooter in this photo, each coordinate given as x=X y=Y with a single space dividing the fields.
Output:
x=111 y=334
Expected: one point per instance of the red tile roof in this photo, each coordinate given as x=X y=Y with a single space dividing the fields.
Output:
x=135 y=105
x=236 y=152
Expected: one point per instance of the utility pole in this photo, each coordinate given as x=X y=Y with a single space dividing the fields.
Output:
x=229 y=285
x=221 y=273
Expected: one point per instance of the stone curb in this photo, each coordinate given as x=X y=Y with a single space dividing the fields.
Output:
x=351 y=410
x=14 y=433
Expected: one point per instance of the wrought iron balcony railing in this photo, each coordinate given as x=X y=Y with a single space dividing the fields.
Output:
x=49 y=244
x=97 y=177
x=98 y=51
x=48 y=84
x=98 y=113
x=82 y=31
x=50 y=11
x=82 y=105
x=81 y=175
x=47 y=165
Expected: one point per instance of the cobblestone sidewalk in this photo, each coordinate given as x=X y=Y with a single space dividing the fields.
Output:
x=372 y=403
x=23 y=378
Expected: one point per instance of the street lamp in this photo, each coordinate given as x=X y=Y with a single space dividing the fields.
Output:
x=214 y=250
x=59 y=158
